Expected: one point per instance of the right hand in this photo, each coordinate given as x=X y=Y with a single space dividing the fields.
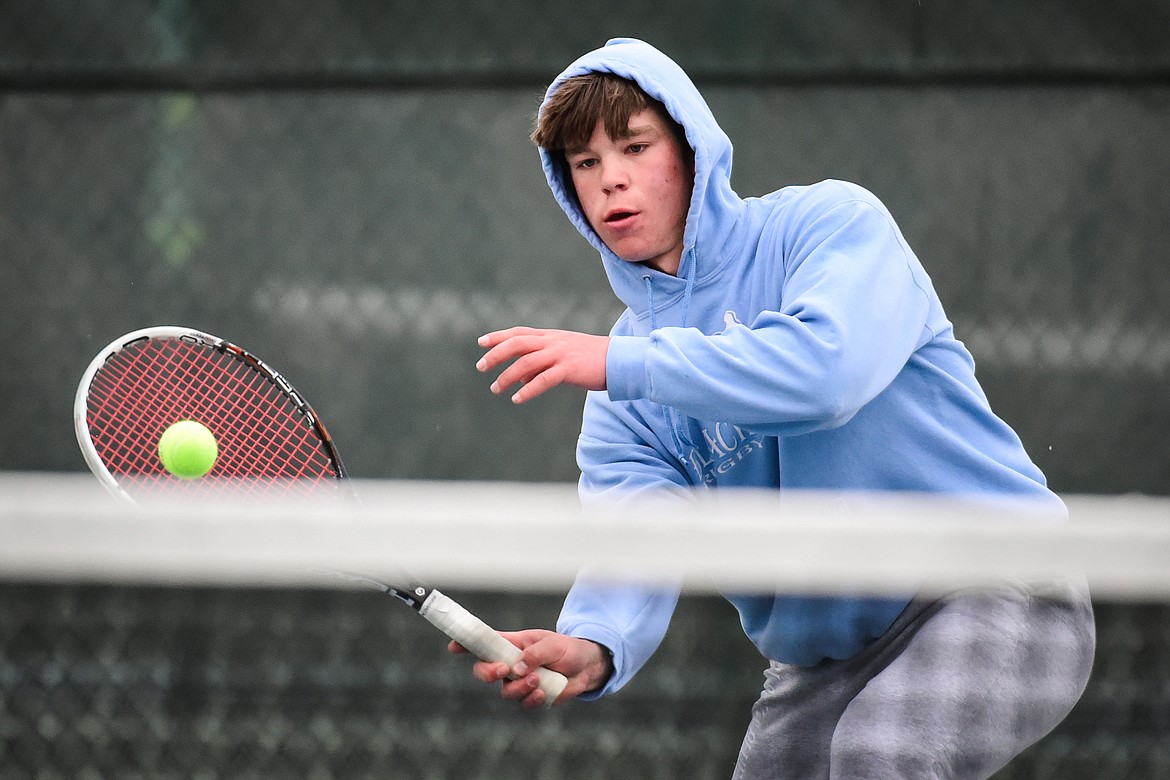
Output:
x=586 y=665
x=544 y=358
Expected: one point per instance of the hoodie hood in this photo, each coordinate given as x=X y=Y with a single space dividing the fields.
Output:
x=715 y=209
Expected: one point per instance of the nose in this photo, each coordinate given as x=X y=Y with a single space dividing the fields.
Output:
x=615 y=176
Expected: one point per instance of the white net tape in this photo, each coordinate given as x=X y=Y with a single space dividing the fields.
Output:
x=504 y=535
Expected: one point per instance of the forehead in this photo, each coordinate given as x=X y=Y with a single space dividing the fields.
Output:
x=644 y=122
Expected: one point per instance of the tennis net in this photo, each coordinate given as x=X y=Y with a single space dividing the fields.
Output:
x=182 y=640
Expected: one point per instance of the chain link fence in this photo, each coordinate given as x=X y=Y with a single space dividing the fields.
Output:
x=362 y=241
x=154 y=682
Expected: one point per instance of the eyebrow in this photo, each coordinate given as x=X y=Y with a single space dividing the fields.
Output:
x=640 y=130
x=632 y=132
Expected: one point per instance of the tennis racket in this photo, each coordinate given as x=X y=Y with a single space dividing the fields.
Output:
x=269 y=439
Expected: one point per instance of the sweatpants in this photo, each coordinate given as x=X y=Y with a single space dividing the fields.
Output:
x=958 y=686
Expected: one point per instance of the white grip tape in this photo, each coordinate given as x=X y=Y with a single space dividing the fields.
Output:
x=480 y=638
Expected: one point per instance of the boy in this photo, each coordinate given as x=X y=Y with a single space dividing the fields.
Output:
x=794 y=341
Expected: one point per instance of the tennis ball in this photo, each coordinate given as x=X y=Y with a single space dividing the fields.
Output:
x=187 y=449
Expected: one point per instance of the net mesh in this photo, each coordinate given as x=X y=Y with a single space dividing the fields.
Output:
x=186 y=668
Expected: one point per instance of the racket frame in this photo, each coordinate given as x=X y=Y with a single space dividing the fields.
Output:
x=198 y=338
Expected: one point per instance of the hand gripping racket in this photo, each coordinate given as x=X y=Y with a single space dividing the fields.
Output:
x=269 y=439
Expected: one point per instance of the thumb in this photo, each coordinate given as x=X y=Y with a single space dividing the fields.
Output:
x=543 y=652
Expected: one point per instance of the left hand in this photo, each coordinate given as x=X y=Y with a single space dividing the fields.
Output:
x=544 y=359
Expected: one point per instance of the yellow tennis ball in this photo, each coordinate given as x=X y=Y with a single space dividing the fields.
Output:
x=188 y=449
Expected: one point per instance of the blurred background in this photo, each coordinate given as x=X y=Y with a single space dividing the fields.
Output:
x=347 y=189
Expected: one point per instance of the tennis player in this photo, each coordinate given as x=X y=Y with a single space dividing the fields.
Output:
x=788 y=341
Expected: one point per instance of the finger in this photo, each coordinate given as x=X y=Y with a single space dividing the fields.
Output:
x=513 y=347
x=524 y=371
x=534 y=700
x=546 y=651
x=522 y=688
x=455 y=647
x=489 y=340
x=538 y=385
x=490 y=671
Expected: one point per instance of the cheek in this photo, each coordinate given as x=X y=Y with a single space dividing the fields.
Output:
x=681 y=183
x=585 y=196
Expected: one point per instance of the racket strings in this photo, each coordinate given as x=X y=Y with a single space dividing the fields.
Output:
x=262 y=434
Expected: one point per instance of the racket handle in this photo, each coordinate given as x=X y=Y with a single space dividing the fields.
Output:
x=465 y=628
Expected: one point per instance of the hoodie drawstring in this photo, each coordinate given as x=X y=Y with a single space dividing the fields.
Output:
x=690 y=288
x=682 y=442
x=650 y=301
x=688 y=293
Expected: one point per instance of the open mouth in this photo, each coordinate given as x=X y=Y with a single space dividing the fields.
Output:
x=619 y=217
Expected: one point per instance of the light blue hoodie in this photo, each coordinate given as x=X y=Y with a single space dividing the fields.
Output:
x=801 y=345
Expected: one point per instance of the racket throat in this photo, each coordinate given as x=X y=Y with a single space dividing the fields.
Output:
x=417 y=598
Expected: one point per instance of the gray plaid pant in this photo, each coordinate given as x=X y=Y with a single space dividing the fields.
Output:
x=956 y=688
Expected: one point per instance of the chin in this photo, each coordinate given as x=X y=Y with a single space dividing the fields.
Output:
x=632 y=255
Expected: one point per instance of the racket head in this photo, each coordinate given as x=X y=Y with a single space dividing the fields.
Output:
x=270 y=439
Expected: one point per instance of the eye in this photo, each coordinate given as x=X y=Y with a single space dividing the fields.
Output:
x=637 y=148
x=585 y=163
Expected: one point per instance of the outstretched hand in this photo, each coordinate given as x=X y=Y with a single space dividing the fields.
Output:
x=544 y=359
x=583 y=662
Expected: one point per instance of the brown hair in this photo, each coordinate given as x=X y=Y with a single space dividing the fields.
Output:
x=568 y=118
